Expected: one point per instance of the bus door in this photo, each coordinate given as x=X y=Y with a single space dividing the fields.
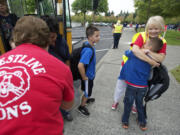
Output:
x=60 y=10
x=56 y=8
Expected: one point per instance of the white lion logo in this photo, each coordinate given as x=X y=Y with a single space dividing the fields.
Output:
x=7 y=86
x=14 y=82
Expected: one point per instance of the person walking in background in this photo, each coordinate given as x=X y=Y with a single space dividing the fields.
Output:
x=117 y=31
x=87 y=68
x=136 y=28
x=154 y=27
x=7 y=22
x=58 y=48
x=34 y=84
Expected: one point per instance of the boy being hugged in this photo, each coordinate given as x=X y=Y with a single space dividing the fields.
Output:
x=87 y=68
x=136 y=73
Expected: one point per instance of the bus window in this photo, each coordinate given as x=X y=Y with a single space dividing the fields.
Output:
x=59 y=9
x=15 y=6
x=47 y=7
x=68 y=20
x=22 y=7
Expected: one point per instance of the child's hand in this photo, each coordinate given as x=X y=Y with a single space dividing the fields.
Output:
x=154 y=64
x=85 y=78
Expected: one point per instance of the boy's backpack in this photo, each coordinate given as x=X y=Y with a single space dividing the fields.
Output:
x=75 y=58
x=157 y=85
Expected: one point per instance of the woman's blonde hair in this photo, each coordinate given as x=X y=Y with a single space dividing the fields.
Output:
x=30 y=29
x=155 y=20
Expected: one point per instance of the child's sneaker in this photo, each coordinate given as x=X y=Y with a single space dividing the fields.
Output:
x=125 y=125
x=134 y=110
x=68 y=117
x=83 y=110
x=90 y=101
x=143 y=127
x=114 y=106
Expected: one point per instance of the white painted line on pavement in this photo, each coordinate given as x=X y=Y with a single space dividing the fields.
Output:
x=105 y=38
x=127 y=43
x=74 y=42
x=102 y=50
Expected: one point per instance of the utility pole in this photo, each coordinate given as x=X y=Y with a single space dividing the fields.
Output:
x=95 y=6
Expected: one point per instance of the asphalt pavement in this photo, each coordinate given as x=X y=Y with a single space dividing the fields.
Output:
x=163 y=113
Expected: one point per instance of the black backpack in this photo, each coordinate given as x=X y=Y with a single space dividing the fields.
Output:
x=157 y=85
x=75 y=58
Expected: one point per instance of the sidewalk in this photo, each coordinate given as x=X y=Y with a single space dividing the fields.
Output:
x=163 y=113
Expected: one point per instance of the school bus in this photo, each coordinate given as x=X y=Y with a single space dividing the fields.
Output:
x=56 y=8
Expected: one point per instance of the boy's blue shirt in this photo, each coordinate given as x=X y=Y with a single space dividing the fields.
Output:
x=86 y=55
x=135 y=70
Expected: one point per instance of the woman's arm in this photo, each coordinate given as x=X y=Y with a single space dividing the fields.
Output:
x=141 y=55
x=159 y=57
x=67 y=105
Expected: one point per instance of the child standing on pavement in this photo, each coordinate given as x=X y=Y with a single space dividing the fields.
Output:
x=88 y=73
x=136 y=73
x=154 y=27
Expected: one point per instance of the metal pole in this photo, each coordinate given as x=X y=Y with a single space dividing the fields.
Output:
x=64 y=18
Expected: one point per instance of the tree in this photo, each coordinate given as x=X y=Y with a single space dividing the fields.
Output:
x=108 y=13
x=112 y=13
x=102 y=6
x=165 y=8
x=129 y=18
x=171 y=8
x=83 y=6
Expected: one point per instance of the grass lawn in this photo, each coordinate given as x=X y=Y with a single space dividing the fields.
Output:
x=176 y=73
x=172 y=37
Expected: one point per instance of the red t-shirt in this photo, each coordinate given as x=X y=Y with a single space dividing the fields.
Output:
x=32 y=86
x=139 y=42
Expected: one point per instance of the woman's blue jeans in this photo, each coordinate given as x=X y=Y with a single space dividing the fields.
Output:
x=137 y=94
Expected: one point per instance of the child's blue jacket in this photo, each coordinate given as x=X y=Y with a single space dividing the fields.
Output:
x=135 y=71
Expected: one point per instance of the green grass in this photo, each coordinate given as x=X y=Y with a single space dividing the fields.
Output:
x=172 y=37
x=176 y=73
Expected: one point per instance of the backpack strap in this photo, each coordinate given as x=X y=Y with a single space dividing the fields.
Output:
x=88 y=46
x=145 y=110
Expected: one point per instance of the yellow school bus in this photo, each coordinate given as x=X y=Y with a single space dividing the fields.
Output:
x=56 y=8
